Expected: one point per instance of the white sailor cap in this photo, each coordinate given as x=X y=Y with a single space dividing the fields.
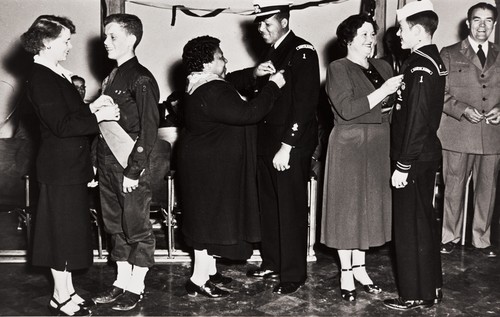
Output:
x=413 y=8
x=265 y=9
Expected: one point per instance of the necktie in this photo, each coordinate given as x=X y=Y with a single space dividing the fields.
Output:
x=480 y=54
x=269 y=53
x=107 y=82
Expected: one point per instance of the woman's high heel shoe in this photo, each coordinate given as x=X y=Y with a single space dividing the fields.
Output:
x=347 y=295
x=56 y=311
x=369 y=288
x=208 y=289
x=218 y=278
x=86 y=302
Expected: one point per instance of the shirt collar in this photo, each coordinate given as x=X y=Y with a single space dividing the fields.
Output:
x=58 y=69
x=129 y=63
x=475 y=47
x=280 y=40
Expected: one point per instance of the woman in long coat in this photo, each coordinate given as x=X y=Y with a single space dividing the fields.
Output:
x=217 y=164
x=62 y=234
x=357 y=193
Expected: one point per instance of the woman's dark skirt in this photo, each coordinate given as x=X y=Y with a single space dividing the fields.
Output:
x=62 y=235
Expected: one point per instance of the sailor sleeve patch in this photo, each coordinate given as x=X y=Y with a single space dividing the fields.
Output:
x=305 y=46
x=421 y=69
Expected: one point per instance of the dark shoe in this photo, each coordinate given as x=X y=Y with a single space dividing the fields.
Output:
x=349 y=296
x=401 y=304
x=489 y=252
x=218 y=278
x=372 y=289
x=287 y=287
x=447 y=248
x=127 y=301
x=209 y=290
x=439 y=296
x=56 y=311
x=109 y=296
x=263 y=273
x=86 y=302
x=369 y=288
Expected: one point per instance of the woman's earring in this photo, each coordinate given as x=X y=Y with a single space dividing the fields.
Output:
x=47 y=47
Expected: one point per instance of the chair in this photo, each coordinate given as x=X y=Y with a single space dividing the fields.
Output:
x=466 y=206
x=25 y=213
x=162 y=189
x=173 y=215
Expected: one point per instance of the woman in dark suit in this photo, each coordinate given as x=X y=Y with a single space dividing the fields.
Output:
x=217 y=164
x=357 y=193
x=62 y=239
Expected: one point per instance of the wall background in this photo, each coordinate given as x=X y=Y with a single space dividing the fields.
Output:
x=160 y=51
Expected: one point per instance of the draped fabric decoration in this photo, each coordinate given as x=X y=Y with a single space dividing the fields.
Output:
x=207 y=9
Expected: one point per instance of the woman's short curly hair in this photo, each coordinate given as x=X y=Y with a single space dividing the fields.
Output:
x=45 y=27
x=348 y=29
x=198 y=51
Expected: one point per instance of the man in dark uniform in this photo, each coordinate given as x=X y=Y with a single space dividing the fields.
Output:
x=416 y=155
x=124 y=176
x=287 y=137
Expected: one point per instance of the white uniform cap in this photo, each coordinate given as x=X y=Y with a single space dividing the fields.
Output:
x=413 y=8
x=267 y=8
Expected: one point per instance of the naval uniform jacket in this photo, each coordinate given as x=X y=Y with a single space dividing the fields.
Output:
x=293 y=118
x=469 y=84
x=418 y=108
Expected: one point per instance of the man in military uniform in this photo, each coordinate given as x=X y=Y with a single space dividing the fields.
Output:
x=123 y=163
x=287 y=137
x=416 y=155
x=469 y=130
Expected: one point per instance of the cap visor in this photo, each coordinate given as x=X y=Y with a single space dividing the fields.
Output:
x=263 y=17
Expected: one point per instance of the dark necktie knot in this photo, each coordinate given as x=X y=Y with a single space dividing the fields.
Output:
x=480 y=55
x=270 y=53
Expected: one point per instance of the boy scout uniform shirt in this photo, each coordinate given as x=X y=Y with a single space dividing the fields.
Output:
x=136 y=92
x=418 y=109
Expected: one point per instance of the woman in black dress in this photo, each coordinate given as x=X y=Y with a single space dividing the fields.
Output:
x=217 y=164
x=62 y=239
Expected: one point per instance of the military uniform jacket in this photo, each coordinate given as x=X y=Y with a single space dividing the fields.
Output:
x=418 y=108
x=293 y=117
x=469 y=84
x=136 y=92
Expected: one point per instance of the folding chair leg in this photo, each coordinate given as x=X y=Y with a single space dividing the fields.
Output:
x=312 y=193
x=466 y=205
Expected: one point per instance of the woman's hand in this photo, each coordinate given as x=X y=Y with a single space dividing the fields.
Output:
x=108 y=113
x=278 y=78
x=392 y=84
x=263 y=69
x=100 y=102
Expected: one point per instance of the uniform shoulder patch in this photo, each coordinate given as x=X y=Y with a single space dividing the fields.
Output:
x=305 y=46
x=421 y=69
